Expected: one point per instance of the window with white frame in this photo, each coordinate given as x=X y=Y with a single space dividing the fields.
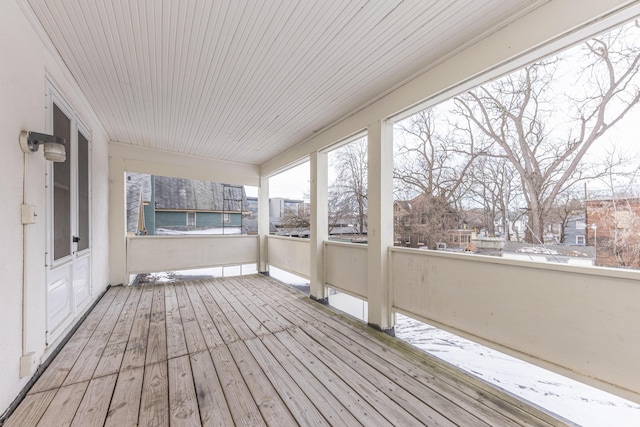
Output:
x=191 y=219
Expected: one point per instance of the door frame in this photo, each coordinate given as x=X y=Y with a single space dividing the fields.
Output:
x=55 y=268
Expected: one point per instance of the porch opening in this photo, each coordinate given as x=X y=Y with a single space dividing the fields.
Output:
x=193 y=274
x=539 y=164
x=161 y=205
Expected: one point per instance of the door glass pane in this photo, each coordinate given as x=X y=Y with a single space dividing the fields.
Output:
x=62 y=189
x=83 y=192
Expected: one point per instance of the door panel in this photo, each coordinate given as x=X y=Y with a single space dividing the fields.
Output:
x=81 y=288
x=59 y=304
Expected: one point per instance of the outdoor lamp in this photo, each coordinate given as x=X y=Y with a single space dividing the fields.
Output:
x=54 y=150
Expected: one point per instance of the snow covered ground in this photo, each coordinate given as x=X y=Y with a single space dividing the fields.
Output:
x=575 y=401
x=583 y=405
x=203 y=231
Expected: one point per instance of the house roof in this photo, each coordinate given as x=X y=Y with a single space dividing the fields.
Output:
x=194 y=195
x=245 y=80
x=181 y=194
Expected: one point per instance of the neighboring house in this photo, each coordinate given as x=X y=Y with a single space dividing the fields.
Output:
x=423 y=221
x=250 y=219
x=516 y=226
x=458 y=239
x=575 y=232
x=613 y=226
x=279 y=207
x=176 y=204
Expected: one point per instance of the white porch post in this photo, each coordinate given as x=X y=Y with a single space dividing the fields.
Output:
x=263 y=224
x=117 y=223
x=380 y=223
x=319 y=223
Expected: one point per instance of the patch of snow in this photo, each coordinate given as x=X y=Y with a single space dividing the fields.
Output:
x=538 y=250
x=215 y=230
x=180 y=275
x=582 y=404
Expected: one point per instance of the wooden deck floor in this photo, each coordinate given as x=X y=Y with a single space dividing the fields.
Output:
x=249 y=351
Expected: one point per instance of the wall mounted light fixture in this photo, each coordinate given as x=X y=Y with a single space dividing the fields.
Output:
x=53 y=145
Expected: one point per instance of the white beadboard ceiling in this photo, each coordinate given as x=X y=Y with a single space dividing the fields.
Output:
x=244 y=80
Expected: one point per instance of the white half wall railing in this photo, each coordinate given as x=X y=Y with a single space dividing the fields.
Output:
x=583 y=322
x=147 y=254
x=291 y=254
x=346 y=268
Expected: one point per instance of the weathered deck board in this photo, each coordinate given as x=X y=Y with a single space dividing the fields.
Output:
x=114 y=351
x=154 y=402
x=183 y=405
x=275 y=316
x=256 y=325
x=268 y=319
x=95 y=403
x=157 y=339
x=243 y=408
x=57 y=371
x=335 y=410
x=136 y=351
x=31 y=409
x=303 y=409
x=176 y=342
x=64 y=405
x=125 y=403
x=250 y=351
x=90 y=356
x=244 y=331
x=224 y=327
x=273 y=410
x=210 y=332
x=192 y=332
x=214 y=410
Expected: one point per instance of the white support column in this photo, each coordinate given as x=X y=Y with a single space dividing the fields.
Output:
x=117 y=223
x=319 y=223
x=380 y=224
x=263 y=224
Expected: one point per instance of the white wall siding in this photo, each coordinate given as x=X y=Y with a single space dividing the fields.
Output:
x=27 y=60
x=582 y=322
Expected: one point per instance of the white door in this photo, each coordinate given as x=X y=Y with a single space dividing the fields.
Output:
x=68 y=227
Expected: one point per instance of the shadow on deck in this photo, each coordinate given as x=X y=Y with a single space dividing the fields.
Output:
x=250 y=351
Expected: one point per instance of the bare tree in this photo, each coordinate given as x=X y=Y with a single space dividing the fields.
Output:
x=568 y=205
x=545 y=136
x=349 y=191
x=430 y=161
x=495 y=188
x=298 y=218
